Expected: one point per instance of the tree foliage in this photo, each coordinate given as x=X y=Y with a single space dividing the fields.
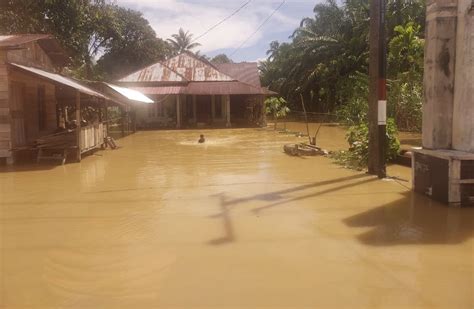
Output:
x=326 y=59
x=88 y=29
x=220 y=59
x=183 y=41
x=357 y=157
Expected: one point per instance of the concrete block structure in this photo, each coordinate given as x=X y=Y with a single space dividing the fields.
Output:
x=444 y=168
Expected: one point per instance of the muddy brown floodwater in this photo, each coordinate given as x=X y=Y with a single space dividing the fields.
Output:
x=164 y=222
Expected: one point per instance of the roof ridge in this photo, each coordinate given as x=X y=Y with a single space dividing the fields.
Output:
x=150 y=65
x=205 y=62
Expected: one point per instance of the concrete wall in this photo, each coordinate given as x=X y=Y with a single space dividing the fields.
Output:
x=463 y=110
x=448 y=107
x=440 y=54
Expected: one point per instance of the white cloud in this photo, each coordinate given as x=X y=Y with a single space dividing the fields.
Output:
x=167 y=16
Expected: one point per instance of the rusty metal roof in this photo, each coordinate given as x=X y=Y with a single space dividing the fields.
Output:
x=157 y=72
x=15 y=40
x=195 y=69
x=48 y=43
x=203 y=88
x=56 y=78
x=162 y=90
x=246 y=72
x=221 y=88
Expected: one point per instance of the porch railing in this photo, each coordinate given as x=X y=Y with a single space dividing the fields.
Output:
x=92 y=136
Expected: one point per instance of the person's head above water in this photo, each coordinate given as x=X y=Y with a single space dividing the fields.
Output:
x=201 y=139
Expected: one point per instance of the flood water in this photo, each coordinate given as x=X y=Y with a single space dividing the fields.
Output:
x=164 y=222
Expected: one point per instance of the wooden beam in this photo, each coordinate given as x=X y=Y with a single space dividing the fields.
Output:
x=178 y=112
x=213 y=108
x=194 y=109
x=78 y=125
x=227 y=110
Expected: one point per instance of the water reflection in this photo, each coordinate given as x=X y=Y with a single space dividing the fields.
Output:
x=414 y=219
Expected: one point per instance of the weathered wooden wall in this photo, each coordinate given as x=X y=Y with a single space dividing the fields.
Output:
x=463 y=111
x=4 y=109
x=31 y=54
x=440 y=54
x=30 y=105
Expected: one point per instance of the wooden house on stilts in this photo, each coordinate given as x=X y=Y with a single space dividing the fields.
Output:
x=45 y=113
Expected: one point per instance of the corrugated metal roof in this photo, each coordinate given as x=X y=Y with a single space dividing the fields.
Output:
x=246 y=72
x=130 y=94
x=162 y=90
x=61 y=80
x=19 y=39
x=221 y=88
x=203 y=88
x=195 y=69
x=154 y=73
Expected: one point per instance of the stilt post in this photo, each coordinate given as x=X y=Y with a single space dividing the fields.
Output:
x=178 y=112
x=78 y=125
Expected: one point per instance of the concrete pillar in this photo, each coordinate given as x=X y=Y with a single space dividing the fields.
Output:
x=178 y=112
x=439 y=76
x=194 y=109
x=213 y=108
x=463 y=109
x=227 y=110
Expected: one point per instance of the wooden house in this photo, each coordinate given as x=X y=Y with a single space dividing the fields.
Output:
x=189 y=91
x=42 y=111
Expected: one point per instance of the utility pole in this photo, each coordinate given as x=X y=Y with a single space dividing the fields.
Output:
x=377 y=89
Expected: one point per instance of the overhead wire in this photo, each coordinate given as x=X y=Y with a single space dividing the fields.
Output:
x=222 y=21
x=259 y=27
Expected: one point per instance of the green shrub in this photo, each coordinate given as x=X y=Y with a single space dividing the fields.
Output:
x=357 y=156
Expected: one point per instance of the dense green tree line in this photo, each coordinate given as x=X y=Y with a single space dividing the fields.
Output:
x=104 y=40
x=326 y=61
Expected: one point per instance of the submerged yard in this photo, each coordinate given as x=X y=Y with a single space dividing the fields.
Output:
x=164 y=222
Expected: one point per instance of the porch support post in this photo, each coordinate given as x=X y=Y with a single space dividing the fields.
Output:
x=263 y=111
x=106 y=116
x=213 y=108
x=194 y=109
x=178 y=112
x=124 y=115
x=227 y=110
x=78 y=125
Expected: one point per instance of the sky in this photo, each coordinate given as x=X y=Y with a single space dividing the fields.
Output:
x=197 y=16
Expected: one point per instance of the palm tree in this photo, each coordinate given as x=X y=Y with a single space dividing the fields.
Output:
x=183 y=41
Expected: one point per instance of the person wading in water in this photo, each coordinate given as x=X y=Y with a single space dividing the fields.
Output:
x=201 y=139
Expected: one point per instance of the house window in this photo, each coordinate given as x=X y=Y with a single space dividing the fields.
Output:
x=218 y=106
x=42 y=116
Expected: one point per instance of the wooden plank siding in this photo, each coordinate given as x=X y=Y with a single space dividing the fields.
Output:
x=5 y=140
x=31 y=55
x=31 y=85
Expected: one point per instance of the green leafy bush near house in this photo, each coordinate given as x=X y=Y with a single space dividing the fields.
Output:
x=357 y=156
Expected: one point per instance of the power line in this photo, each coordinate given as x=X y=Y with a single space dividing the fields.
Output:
x=259 y=27
x=222 y=21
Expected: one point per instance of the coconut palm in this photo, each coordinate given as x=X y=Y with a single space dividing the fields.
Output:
x=183 y=41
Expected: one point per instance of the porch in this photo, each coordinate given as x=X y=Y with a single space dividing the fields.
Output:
x=54 y=117
x=189 y=111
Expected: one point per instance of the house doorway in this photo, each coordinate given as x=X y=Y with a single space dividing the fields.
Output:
x=203 y=109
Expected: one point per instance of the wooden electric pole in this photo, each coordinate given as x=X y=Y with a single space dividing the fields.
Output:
x=377 y=89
